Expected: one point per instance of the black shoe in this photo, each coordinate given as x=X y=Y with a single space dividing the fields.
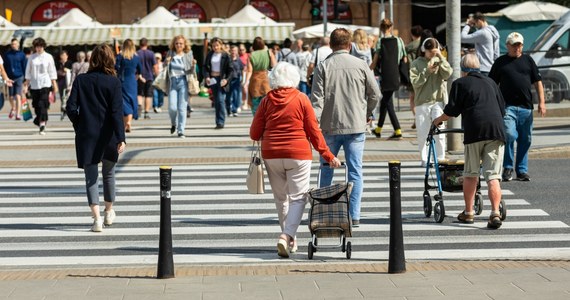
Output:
x=523 y=177
x=377 y=132
x=507 y=174
x=146 y=115
x=172 y=129
x=395 y=137
x=219 y=126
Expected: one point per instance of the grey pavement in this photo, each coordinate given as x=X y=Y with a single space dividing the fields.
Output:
x=151 y=144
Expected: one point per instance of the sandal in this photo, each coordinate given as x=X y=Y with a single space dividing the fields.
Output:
x=293 y=246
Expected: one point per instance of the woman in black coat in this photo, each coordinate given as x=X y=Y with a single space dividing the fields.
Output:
x=95 y=107
x=218 y=74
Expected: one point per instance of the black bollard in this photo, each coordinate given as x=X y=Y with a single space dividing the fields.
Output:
x=165 y=256
x=396 y=260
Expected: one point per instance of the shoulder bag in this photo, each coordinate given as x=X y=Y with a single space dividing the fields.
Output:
x=255 y=179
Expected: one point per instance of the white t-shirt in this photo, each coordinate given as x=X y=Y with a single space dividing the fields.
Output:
x=324 y=52
x=40 y=70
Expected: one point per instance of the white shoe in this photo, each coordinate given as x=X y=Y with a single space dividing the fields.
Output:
x=109 y=217
x=97 y=225
x=282 y=248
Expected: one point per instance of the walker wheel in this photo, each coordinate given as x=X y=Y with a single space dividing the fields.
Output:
x=503 y=209
x=478 y=204
x=310 y=251
x=348 y=250
x=439 y=212
x=427 y=204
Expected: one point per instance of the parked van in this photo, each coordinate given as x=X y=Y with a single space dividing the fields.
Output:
x=551 y=52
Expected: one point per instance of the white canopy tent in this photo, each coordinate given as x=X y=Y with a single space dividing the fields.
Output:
x=6 y=30
x=248 y=14
x=74 y=18
x=316 y=31
x=160 y=16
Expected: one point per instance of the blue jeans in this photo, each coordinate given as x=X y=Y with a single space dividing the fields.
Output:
x=233 y=98
x=518 y=127
x=177 y=102
x=305 y=88
x=219 y=101
x=158 y=98
x=353 y=145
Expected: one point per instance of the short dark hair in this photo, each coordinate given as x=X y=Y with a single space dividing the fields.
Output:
x=416 y=30
x=479 y=16
x=258 y=44
x=39 y=42
x=143 y=42
x=287 y=43
x=14 y=39
x=340 y=38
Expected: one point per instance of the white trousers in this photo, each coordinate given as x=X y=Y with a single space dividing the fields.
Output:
x=425 y=114
x=290 y=180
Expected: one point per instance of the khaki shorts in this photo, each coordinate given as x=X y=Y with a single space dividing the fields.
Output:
x=485 y=155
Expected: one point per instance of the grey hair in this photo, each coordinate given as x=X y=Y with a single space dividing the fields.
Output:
x=80 y=55
x=284 y=75
x=470 y=61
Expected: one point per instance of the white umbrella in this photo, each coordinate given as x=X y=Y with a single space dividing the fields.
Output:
x=531 y=11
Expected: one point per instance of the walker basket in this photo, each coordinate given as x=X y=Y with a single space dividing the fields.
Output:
x=329 y=214
x=451 y=174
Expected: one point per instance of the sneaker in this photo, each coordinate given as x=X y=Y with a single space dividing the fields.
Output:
x=181 y=135
x=523 y=177
x=234 y=114
x=465 y=218
x=377 y=132
x=494 y=221
x=42 y=130
x=157 y=110
x=282 y=248
x=109 y=217
x=395 y=136
x=97 y=225
x=507 y=174
x=172 y=129
x=11 y=114
x=219 y=126
x=355 y=223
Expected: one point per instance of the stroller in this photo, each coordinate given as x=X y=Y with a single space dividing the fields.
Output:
x=329 y=215
x=449 y=178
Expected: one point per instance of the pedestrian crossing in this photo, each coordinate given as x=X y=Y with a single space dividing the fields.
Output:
x=45 y=221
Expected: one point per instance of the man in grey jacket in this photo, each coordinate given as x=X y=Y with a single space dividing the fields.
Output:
x=485 y=39
x=344 y=96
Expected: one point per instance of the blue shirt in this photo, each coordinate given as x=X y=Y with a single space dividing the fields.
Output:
x=15 y=63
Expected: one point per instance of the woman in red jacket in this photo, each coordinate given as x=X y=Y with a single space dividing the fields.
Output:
x=286 y=124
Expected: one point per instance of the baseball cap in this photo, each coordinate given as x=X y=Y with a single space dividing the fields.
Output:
x=515 y=37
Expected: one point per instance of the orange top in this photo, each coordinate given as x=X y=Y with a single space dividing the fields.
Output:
x=286 y=122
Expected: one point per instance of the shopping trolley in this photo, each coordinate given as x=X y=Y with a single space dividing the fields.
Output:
x=329 y=215
x=448 y=178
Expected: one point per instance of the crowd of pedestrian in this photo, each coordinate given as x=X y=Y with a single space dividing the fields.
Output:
x=325 y=95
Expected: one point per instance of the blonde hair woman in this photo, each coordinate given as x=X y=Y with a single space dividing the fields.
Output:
x=180 y=63
x=360 y=47
x=128 y=66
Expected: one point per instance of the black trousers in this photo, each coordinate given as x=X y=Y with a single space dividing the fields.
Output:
x=40 y=102
x=387 y=106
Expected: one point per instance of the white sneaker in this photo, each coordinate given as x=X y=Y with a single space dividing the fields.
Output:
x=109 y=217
x=97 y=225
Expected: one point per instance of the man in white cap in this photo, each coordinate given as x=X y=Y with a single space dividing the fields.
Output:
x=515 y=73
